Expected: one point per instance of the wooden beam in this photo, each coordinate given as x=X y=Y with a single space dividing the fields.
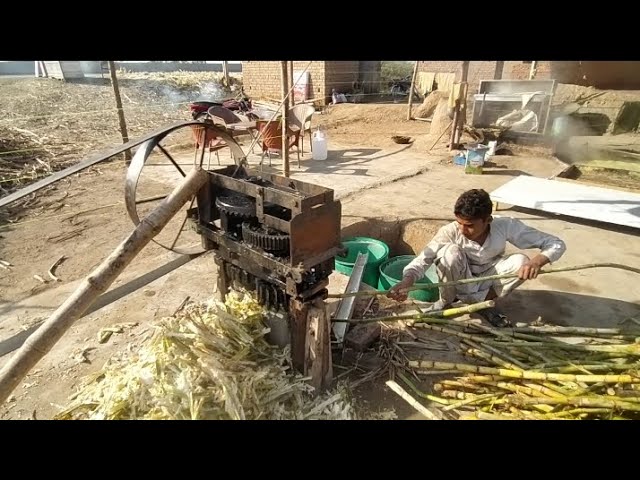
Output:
x=293 y=97
x=454 y=130
x=285 y=122
x=462 y=109
x=413 y=82
x=299 y=322
x=225 y=73
x=319 y=366
x=121 y=120
x=465 y=72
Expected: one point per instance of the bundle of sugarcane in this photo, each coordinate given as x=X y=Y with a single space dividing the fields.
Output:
x=537 y=372
x=209 y=361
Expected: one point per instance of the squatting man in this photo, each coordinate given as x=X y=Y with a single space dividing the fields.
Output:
x=474 y=246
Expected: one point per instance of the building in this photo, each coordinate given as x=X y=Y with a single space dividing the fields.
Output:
x=603 y=75
x=262 y=80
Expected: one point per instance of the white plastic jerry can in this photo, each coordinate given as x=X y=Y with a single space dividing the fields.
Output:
x=319 y=145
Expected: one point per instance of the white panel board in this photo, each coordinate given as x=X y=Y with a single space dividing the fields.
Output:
x=582 y=201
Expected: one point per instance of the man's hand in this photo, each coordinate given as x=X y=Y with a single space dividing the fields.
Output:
x=396 y=292
x=531 y=269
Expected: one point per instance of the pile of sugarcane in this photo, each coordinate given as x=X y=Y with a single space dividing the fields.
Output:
x=209 y=361
x=536 y=372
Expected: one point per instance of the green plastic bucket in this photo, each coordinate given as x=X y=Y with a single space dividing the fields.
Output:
x=391 y=274
x=378 y=252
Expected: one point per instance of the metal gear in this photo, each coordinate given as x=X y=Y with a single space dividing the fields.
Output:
x=237 y=205
x=267 y=240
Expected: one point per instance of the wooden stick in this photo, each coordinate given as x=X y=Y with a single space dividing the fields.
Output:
x=43 y=339
x=121 y=119
x=410 y=400
x=285 y=122
x=452 y=138
x=489 y=277
x=413 y=82
x=225 y=74
x=52 y=270
x=292 y=99
x=441 y=135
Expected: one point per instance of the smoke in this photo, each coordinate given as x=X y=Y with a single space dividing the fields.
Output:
x=173 y=95
x=212 y=91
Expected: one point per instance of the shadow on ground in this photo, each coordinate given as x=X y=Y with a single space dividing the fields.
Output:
x=567 y=309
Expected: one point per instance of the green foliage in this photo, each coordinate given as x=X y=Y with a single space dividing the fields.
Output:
x=395 y=70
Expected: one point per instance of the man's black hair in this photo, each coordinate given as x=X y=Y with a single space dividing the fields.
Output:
x=473 y=204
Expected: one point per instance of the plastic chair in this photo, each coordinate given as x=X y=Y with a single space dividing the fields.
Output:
x=300 y=116
x=208 y=141
x=271 y=138
x=224 y=117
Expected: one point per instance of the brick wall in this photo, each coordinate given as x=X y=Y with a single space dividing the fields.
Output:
x=262 y=80
x=562 y=72
x=441 y=67
x=611 y=74
x=340 y=75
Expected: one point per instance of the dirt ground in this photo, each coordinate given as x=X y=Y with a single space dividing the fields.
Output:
x=83 y=218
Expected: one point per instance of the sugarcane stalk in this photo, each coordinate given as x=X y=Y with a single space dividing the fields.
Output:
x=487 y=416
x=508 y=336
x=411 y=401
x=42 y=340
x=576 y=330
x=549 y=389
x=441 y=372
x=633 y=349
x=490 y=358
x=596 y=402
x=562 y=363
x=511 y=363
x=576 y=411
x=521 y=355
x=471 y=401
x=530 y=389
x=455 y=383
x=436 y=328
x=528 y=375
x=551 y=386
x=456 y=394
x=594 y=368
x=489 y=277
x=420 y=393
x=526 y=415
x=424 y=317
x=546 y=388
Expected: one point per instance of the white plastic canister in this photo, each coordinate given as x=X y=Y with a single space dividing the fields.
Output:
x=319 y=145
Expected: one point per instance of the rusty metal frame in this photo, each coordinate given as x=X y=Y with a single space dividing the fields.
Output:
x=310 y=206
